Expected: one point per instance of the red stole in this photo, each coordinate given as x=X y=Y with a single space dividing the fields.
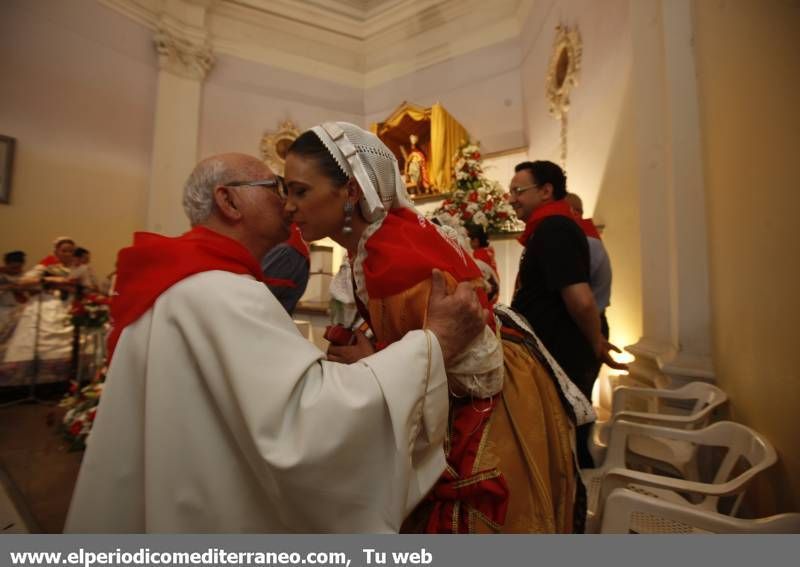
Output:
x=404 y=252
x=155 y=263
x=551 y=209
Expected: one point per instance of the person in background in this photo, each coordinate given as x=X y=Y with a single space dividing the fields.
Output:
x=599 y=262
x=40 y=346
x=553 y=290
x=83 y=271
x=483 y=252
x=286 y=270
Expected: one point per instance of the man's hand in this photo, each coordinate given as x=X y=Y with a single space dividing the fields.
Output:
x=455 y=319
x=603 y=354
x=351 y=353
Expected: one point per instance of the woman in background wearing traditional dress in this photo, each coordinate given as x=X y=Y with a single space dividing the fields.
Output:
x=45 y=321
x=510 y=464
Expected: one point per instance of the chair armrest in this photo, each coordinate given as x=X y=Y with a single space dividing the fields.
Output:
x=658 y=418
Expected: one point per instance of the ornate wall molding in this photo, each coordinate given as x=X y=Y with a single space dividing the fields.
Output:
x=338 y=40
x=562 y=77
x=185 y=57
x=275 y=144
x=564 y=69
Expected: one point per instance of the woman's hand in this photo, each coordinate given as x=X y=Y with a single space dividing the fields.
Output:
x=351 y=353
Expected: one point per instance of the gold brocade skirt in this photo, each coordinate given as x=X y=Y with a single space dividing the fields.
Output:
x=529 y=439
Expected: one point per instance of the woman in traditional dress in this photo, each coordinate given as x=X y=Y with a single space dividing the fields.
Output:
x=45 y=321
x=510 y=464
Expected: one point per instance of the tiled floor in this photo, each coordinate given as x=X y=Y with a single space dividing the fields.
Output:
x=11 y=521
x=39 y=470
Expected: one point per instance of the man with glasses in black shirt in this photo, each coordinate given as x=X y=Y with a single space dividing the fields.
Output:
x=552 y=289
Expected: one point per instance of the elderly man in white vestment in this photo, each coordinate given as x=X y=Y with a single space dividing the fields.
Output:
x=217 y=416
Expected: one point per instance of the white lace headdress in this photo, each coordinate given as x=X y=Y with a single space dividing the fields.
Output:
x=362 y=155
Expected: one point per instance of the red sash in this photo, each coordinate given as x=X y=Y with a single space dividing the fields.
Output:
x=589 y=228
x=460 y=490
x=155 y=263
x=551 y=209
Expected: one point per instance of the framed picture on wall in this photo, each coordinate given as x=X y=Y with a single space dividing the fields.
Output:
x=6 y=167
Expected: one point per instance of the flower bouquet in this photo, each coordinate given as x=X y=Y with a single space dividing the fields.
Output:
x=476 y=200
x=81 y=404
x=90 y=311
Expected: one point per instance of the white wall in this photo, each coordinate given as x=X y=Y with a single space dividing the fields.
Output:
x=595 y=102
x=241 y=100
x=78 y=94
x=481 y=89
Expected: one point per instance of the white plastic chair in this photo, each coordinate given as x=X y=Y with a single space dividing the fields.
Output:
x=689 y=407
x=747 y=453
x=627 y=511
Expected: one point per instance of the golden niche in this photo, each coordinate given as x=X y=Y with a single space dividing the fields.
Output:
x=275 y=145
x=424 y=140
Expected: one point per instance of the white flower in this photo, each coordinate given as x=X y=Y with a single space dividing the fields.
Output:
x=480 y=218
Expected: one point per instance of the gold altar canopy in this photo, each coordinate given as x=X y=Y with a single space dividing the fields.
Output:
x=439 y=137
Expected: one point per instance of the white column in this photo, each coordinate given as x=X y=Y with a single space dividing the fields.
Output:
x=676 y=341
x=184 y=60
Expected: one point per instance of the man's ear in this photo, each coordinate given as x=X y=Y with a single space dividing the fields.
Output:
x=227 y=203
x=547 y=190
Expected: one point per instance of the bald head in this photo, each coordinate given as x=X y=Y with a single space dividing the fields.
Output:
x=575 y=204
x=198 y=192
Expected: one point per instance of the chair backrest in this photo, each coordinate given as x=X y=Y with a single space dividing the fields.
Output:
x=741 y=442
x=688 y=407
x=708 y=397
x=627 y=510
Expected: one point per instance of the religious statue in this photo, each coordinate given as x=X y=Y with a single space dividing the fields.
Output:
x=416 y=168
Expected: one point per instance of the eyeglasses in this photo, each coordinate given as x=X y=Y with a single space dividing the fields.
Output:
x=517 y=191
x=277 y=185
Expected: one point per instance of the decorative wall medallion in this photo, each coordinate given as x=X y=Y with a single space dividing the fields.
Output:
x=562 y=76
x=274 y=145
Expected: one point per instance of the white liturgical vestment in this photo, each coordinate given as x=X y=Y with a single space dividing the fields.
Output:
x=217 y=416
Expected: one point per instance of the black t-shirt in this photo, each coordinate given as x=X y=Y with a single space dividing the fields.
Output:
x=556 y=256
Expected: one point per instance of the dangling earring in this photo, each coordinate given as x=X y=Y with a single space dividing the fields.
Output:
x=348 y=217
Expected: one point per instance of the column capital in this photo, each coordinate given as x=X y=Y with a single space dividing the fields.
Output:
x=182 y=56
